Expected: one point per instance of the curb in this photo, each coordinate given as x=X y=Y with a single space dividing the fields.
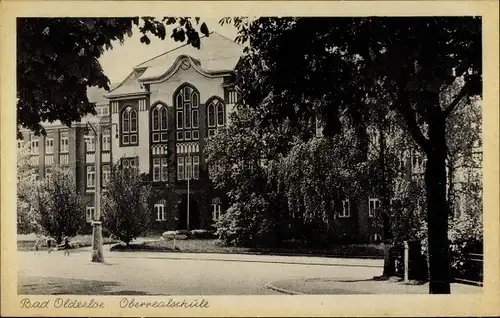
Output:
x=252 y=261
x=283 y=290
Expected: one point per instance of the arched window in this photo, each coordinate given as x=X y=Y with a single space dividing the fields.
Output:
x=346 y=209
x=216 y=116
x=216 y=213
x=159 y=119
x=129 y=127
x=156 y=119
x=160 y=211
x=187 y=100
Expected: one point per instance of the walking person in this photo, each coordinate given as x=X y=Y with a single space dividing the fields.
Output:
x=37 y=244
x=66 y=246
x=49 y=244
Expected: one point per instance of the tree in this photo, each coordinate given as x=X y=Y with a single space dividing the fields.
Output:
x=27 y=202
x=57 y=60
x=318 y=177
x=239 y=159
x=60 y=206
x=305 y=66
x=126 y=204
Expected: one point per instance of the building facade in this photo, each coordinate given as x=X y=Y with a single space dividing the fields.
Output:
x=162 y=115
x=165 y=111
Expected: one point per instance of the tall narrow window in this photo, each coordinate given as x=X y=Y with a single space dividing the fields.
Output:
x=163 y=118
x=133 y=121
x=155 y=114
x=196 y=167
x=64 y=146
x=187 y=101
x=34 y=147
x=90 y=143
x=211 y=115
x=164 y=169
x=48 y=173
x=159 y=119
x=180 y=168
x=187 y=114
x=220 y=114
x=106 y=141
x=90 y=176
x=129 y=127
x=374 y=204
x=195 y=118
x=346 y=209
x=216 y=209
x=160 y=212
x=89 y=212
x=215 y=116
x=49 y=146
x=156 y=169
x=106 y=175
x=189 y=170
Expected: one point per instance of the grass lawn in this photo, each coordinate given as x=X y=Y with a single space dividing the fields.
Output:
x=214 y=246
x=27 y=242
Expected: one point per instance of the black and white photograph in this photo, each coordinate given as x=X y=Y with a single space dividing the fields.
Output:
x=248 y=155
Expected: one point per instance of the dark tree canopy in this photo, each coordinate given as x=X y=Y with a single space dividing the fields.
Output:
x=301 y=68
x=57 y=60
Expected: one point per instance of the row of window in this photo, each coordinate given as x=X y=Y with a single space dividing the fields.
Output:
x=159 y=209
x=188 y=168
x=91 y=176
x=161 y=214
x=90 y=142
x=373 y=206
x=49 y=144
x=187 y=102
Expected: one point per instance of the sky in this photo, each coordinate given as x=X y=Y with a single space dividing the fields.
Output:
x=118 y=62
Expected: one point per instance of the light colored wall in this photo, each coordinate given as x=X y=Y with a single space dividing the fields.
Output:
x=208 y=87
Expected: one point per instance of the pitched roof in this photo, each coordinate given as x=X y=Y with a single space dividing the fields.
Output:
x=217 y=53
x=96 y=94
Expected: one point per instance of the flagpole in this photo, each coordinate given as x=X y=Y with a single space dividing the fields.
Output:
x=188 y=178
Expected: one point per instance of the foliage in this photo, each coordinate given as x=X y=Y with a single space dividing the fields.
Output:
x=57 y=60
x=240 y=158
x=317 y=175
x=126 y=204
x=60 y=207
x=27 y=200
x=302 y=67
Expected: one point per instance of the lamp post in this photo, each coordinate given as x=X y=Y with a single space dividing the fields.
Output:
x=97 y=253
x=188 y=178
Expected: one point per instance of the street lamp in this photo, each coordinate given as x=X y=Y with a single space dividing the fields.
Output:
x=188 y=175
x=98 y=128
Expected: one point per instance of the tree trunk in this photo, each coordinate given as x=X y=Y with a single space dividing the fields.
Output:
x=389 y=266
x=451 y=190
x=437 y=207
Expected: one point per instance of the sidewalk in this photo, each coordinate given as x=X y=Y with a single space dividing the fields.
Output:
x=298 y=260
x=320 y=286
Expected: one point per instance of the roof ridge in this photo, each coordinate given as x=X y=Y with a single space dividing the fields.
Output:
x=183 y=45
x=171 y=50
x=225 y=37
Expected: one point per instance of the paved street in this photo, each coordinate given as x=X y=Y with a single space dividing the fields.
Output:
x=177 y=273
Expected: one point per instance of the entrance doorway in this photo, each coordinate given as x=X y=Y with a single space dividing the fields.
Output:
x=194 y=214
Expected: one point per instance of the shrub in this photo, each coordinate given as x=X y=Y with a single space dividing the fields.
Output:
x=466 y=236
x=202 y=234
x=125 y=204
x=60 y=207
